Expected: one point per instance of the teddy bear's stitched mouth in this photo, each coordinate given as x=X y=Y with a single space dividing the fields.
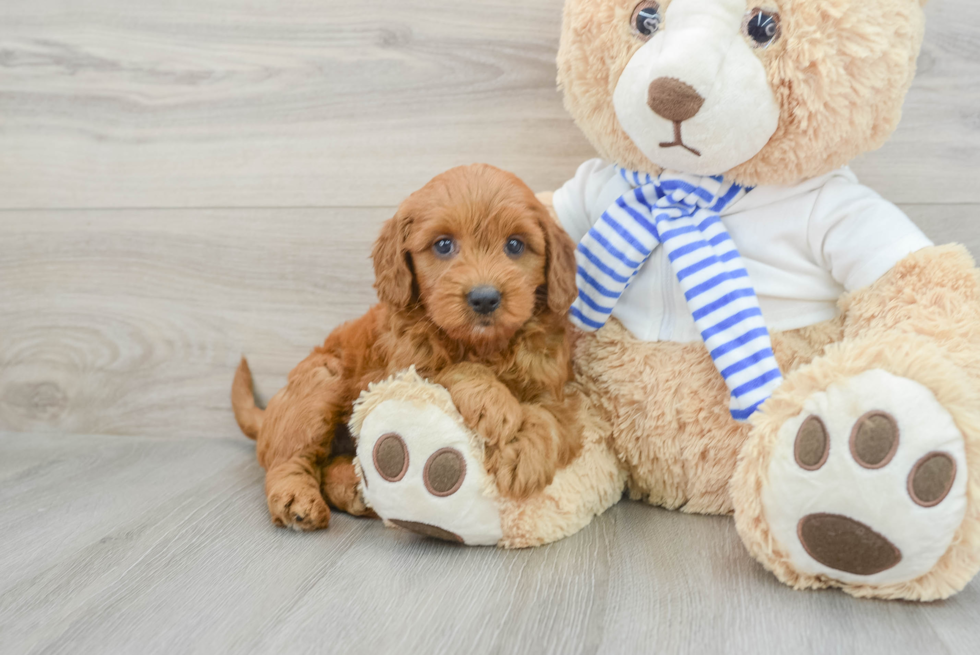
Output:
x=678 y=141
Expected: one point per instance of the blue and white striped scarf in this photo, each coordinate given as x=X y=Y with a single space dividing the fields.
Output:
x=682 y=212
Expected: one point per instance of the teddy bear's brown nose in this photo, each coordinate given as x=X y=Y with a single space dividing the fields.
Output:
x=673 y=99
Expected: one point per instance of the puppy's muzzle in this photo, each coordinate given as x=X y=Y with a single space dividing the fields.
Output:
x=484 y=300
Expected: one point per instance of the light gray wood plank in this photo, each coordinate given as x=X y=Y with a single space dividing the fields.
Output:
x=120 y=322
x=133 y=103
x=132 y=322
x=948 y=223
x=938 y=141
x=223 y=103
x=121 y=545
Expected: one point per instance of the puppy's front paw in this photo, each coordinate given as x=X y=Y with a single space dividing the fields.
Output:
x=489 y=409
x=525 y=467
x=298 y=506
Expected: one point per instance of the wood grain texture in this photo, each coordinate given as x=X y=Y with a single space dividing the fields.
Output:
x=185 y=181
x=163 y=546
x=297 y=103
x=132 y=322
x=225 y=103
x=120 y=322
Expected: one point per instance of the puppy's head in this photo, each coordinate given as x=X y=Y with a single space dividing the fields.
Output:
x=479 y=252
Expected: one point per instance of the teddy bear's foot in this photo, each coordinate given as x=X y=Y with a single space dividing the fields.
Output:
x=421 y=468
x=867 y=485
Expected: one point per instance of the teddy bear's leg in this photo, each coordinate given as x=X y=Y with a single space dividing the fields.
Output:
x=592 y=483
x=420 y=467
x=863 y=470
x=671 y=426
x=423 y=469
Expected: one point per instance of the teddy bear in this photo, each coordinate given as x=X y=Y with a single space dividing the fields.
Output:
x=763 y=336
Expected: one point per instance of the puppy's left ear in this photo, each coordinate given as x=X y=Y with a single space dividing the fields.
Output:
x=562 y=290
x=393 y=277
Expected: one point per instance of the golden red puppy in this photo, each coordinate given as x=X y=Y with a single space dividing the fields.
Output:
x=474 y=279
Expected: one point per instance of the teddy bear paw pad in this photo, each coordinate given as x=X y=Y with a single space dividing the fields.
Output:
x=867 y=484
x=423 y=471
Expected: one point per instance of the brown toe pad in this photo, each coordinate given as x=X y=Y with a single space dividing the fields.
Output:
x=846 y=545
x=391 y=457
x=874 y=439
x=427 y=530
x=931 y=479
x=812 y=444
x=444 y=472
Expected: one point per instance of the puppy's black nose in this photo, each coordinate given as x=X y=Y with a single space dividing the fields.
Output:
x=484 y=300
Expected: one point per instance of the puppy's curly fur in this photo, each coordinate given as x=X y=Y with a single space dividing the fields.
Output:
x=471 y=227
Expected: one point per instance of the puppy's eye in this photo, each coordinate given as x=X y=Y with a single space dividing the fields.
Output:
x=646 y=19
x=514 y=247
x=761 y=27
x=444 y=247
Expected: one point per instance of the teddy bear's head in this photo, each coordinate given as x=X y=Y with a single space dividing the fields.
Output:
x=762 y=91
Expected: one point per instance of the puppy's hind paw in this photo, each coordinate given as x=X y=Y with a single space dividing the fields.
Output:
x=340 y=487
x=298 y=507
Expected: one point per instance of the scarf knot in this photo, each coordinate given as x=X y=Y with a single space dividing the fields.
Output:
x=683 y=213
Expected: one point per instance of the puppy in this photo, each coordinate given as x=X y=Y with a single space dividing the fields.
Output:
x=474 y=279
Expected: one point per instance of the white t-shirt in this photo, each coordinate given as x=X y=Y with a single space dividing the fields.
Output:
x=803 y=247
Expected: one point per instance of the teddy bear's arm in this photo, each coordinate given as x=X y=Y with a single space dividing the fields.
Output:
x=856 y=235
x=933 y=292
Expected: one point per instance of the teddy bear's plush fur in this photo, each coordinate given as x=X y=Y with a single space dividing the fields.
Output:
x=839 y=72
x=903 y=350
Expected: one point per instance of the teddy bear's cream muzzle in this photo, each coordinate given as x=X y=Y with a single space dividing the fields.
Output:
x=696 y=97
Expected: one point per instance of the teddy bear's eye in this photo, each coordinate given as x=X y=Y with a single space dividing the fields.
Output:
x=761 y=27
x=646 y=19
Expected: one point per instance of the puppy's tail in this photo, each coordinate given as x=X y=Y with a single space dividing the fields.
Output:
x=247 y=413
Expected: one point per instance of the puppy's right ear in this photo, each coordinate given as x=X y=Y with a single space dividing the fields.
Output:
x=562 y=289
x=393 y=278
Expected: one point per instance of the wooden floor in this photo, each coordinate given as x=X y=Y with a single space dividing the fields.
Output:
x=183 y=182
x=161 y=545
